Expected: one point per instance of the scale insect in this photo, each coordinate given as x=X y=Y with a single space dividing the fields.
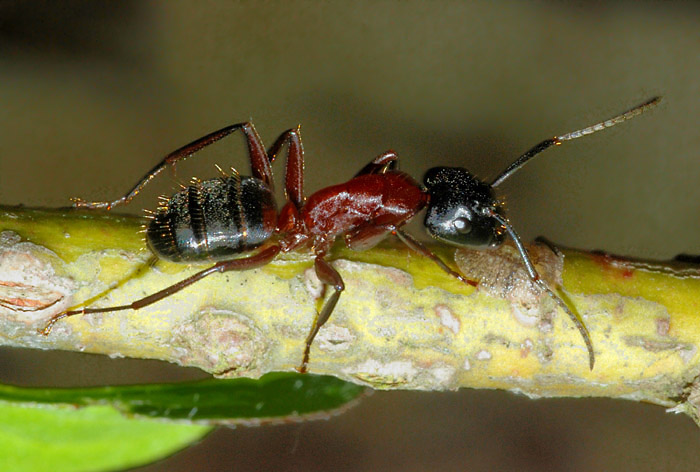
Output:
x=233 y=221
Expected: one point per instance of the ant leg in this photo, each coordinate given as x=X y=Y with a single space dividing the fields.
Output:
x=366 y=237
x=294 y=176
x=417 y=246
x=380 y=164
x=535 y=277
x=543 y=241
x=259 y=161
x=329 y=276
x=260 y=259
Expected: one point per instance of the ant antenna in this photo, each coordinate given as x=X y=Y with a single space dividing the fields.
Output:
x=535 y=277
x=557 y=140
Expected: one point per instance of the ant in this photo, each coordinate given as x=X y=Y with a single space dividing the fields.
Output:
x=219 y=219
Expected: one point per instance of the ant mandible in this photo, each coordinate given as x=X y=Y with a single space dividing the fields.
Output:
x=218 y=219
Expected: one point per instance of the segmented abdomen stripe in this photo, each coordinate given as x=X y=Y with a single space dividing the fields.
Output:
x=214 y=219
x=234 y=207
x=196 y=212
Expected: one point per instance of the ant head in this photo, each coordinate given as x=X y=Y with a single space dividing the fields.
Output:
x=459 y=208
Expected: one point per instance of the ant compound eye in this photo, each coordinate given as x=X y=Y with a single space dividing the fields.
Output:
x=462 y=225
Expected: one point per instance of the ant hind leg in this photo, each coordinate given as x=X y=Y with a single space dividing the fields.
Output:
x=258 y=158
x=257 y=260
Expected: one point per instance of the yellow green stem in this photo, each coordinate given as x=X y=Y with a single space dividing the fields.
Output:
x=401 y=323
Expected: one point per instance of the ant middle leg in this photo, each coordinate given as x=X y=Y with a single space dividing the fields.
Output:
x=258 y=260
x=294 y=173
x=330 y=277
x=260 y=163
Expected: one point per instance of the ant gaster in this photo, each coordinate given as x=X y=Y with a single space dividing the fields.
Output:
x=219 y=219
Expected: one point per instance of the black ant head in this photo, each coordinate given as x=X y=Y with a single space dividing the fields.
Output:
x=459 y=210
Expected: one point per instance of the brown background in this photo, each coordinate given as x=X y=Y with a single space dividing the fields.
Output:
x=93 y=94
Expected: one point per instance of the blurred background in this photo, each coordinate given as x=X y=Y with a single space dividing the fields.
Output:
x=93 y=94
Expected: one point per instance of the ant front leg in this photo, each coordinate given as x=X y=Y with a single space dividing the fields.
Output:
x=420 y=248
x=543 y=241
x=330 y=277
x=258 y=157
x=258 y=260
x=366 y=237
x=380 y=164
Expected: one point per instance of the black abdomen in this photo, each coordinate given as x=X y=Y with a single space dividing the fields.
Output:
x=213 y=220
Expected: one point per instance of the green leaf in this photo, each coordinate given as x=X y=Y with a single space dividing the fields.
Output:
x=275 y=395
x=62 y=438
x=107 y=428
